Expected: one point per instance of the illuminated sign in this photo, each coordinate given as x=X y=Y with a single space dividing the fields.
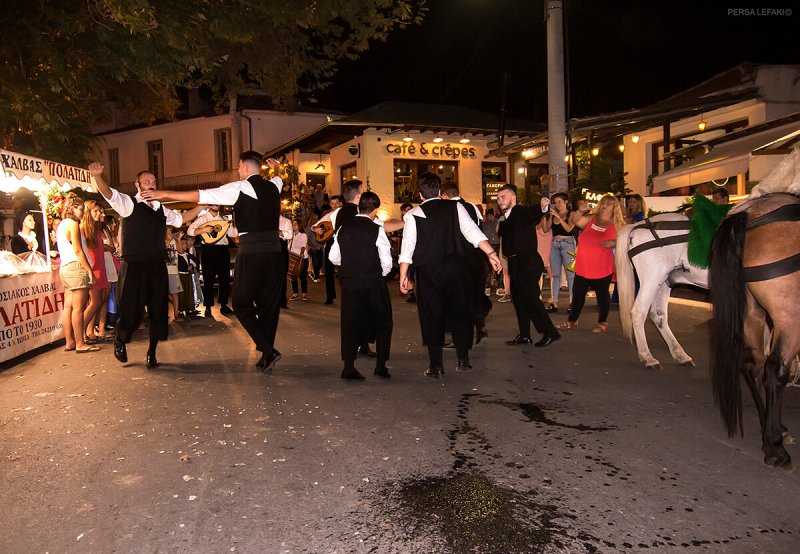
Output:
x=448 y=151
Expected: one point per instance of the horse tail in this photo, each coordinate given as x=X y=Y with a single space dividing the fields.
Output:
x=727 y=293
x=625 y=280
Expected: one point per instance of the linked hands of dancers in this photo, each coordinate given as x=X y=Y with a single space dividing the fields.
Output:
x=154 y=194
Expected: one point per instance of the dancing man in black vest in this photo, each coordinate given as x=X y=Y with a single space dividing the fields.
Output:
x=363 y=251
x=260 y=268
x=433 y=240
x=518 y=233
x=476 y=263
x=143 y=277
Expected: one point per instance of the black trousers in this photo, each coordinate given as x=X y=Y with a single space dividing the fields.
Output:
x=366 y=312
x=581 y=286
x=303 y=278
x=216 y=265
x=330 y=274
x=444 y=301
x=524 y=272
x=257 y=284
x=479 y=269
x=285 y=253
x=140 y=285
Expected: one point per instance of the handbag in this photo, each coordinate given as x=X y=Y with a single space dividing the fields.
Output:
x=295 y=261
x=571 y=265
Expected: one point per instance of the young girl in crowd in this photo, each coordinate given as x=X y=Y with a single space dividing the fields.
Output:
x=299 y=245
x=174 y=248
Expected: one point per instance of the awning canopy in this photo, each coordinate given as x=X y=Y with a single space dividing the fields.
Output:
x=726 y=160
x=19 y=170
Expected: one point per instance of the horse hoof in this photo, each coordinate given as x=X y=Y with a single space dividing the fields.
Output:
x=788 y=468
x=688 y=363
x=656 y=365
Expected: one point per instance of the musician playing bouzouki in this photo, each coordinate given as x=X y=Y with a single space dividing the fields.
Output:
x=215 y=259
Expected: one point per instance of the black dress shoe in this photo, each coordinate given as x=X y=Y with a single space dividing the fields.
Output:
x=225 y=310
x=352 y=374
x=463 y=366
x=151 y=360
x=366 y=351
x=266 y=363
x=480 y=335
x=207 y=313
x=120 y=352
x=328 y=302
x=434 y=372
x=382 y=372
x=548 y=340
x=519 y=339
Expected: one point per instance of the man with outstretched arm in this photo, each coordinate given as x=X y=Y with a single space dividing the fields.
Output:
x=260 y=268
x=143 y=277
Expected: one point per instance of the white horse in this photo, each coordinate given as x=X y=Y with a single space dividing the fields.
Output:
x=657 y=248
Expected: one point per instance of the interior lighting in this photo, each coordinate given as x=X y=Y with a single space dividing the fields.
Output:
x=464 y=140
x=621 y=148
x=635 y=139
x=527 y=153
x=521 y=171
x=438 y=139
x=408 y=138
x=595 y=151
x=702 y=125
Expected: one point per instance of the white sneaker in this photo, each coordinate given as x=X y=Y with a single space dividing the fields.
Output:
x=488 y=292
x=505 y=298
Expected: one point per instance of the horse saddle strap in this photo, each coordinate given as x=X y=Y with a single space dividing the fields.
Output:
x=662 y=241
x=772 y=270
x=788 y=212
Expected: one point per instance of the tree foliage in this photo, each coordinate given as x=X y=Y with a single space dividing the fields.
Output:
x=65 y=63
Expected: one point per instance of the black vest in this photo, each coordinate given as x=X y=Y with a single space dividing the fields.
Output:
x=357 y=243
x=144 y=234
x=471 y=211
x=438 y=233
x=346 y=214
x=260 y=214
x=519 y=232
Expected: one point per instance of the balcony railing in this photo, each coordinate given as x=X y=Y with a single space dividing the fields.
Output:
x=194 y=181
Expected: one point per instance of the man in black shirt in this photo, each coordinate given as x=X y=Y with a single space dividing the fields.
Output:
x=518 y=233
x=363 y=251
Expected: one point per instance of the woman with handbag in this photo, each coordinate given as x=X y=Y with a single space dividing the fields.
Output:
x=298 y=260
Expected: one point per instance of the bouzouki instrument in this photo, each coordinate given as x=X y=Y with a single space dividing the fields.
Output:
x=324 y=231
x=219 y=230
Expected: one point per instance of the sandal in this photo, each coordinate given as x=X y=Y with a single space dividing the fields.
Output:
x=92 y=348
x=600 y=327
x=69 y=348
x=567 y=325
x=551 y=308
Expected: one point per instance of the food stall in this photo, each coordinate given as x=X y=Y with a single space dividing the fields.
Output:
x=31 y=294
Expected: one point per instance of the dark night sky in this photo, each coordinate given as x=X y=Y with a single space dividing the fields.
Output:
x=621 y=54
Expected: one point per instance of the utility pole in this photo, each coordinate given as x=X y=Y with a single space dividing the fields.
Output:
x=556 y=110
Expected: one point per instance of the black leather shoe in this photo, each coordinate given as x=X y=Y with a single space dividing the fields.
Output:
x=547 y=340
x=411 y=298
x=480 y=335
x=365 y=350
x=266 y=363
x=328 y=302
x=120 y=352
x=207 y=313
x=463 y=366
x=434 y=372
x=519 y=339
x=352 y=374
x=151 y=360
x=382 y=372
x=225 y=310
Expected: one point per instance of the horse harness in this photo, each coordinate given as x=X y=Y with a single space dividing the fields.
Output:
x=659 y=242
x=789 y=212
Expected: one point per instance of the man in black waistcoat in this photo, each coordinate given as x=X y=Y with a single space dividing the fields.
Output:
x=433 y=240
x=363 y=251
x=477 y=264
x=518 y=233
x=260 y=268
x=143 y=277
x=330 y=269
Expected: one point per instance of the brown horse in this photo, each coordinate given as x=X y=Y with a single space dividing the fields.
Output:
x=755 y=279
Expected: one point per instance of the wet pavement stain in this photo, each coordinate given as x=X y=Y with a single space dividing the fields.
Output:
x=472 y=514
x=536 y=414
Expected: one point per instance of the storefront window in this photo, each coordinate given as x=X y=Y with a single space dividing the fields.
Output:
x=493 y=176
x=406 y=173
x=348 y=172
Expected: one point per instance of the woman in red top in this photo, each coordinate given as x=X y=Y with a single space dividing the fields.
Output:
x=594 y=261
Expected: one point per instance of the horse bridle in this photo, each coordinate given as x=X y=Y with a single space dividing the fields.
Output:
x=766 y=272
x=659 y=242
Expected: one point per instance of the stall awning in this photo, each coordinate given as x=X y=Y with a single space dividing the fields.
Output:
x=19 y=170
x=726 y=160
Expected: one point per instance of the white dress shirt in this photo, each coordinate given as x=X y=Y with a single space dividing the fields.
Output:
x=228 y=194
x=285 y=228
x=382 y=242
x=123 y=205
x=477 y=211
x=203 y=219
x=471 y=232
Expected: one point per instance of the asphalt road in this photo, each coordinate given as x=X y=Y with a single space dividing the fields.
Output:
x=571 y=448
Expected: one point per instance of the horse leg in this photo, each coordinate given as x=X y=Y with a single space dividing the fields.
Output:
x=777 y=374
x=658 y=314
x=641 y=307
x=753 y=353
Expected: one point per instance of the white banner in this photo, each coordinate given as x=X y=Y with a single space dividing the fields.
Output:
x=30 y=312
